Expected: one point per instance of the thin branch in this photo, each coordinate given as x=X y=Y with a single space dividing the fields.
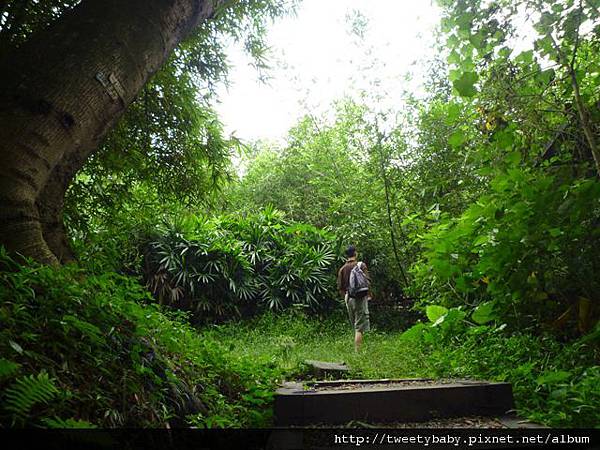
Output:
x=576 y=46
x=534 y=72
x=581 y=109
x=388 y=207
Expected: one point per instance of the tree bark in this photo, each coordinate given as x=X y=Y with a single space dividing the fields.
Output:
x=61 y=92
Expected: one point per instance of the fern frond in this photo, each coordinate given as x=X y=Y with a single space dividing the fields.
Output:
x=57 y=422
x=28 y=391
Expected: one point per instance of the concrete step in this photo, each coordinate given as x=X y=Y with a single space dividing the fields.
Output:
x=387 y=401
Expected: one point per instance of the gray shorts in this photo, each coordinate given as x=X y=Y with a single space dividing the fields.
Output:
x=358 y=312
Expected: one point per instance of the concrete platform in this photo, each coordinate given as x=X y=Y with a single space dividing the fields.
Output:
x=381 y=401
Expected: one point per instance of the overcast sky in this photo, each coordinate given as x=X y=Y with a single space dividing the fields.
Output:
x=316 y=60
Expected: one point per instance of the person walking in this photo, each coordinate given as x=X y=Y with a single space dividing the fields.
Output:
x=352 y=282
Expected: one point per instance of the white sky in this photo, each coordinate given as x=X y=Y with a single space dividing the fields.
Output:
x=315 y=60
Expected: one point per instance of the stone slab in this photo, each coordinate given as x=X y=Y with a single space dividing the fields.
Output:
x=322 y=369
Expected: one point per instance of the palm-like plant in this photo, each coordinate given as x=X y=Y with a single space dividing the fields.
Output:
x=223 y=266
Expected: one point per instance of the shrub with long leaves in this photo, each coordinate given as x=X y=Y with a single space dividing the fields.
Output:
x=230 y=266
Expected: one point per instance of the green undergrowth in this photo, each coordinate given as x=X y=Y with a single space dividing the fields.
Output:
x=554 y=383
x=83 y=350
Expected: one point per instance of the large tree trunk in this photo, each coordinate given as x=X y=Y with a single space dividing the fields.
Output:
x=60 y=94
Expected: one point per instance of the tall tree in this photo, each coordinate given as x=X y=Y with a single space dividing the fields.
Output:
x=65 y=86
x=63 y=90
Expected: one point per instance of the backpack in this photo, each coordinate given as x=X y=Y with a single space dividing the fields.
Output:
x=358 y=286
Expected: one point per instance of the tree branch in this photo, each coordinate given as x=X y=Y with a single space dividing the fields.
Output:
x=581 y=109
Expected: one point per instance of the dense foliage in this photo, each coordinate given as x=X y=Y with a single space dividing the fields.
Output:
x=486 y=188
x=529 y=245
x=552 y=383
x=81 y=350
x=526 y=237
x=229 y=266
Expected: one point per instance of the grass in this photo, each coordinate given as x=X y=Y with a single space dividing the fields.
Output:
x=286 y=341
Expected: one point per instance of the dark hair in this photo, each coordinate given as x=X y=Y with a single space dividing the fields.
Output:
x=351 y=251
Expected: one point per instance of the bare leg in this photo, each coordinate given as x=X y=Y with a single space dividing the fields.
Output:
x=358 y=337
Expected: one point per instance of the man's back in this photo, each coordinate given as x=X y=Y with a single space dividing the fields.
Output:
x=343 y=279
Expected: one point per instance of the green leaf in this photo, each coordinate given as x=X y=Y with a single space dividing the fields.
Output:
x=504 y=139
x=504 y=52
x=452 y=41
x=414 y=333
x=544 y=46
x=454 y=74
x=481 y=240
x=484 y=313
x=465 y=85
x=553 y=377
x=546 y=76
x=452 y=318
x=554 y=232
x=477 y=39
x=56 y=422
x=16 y=347
x=525 y=57
x=25 y=392
x=454 y=58
x=452 y=113
x=434 y=312
x=457 y=138
x=513 y=158
x=7 y=368
x=464 y=21
x=446 y=24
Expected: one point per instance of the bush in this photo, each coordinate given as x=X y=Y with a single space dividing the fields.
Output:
x=231 y=266
x=529 y=246
x=553 y=383
x=88 y=350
